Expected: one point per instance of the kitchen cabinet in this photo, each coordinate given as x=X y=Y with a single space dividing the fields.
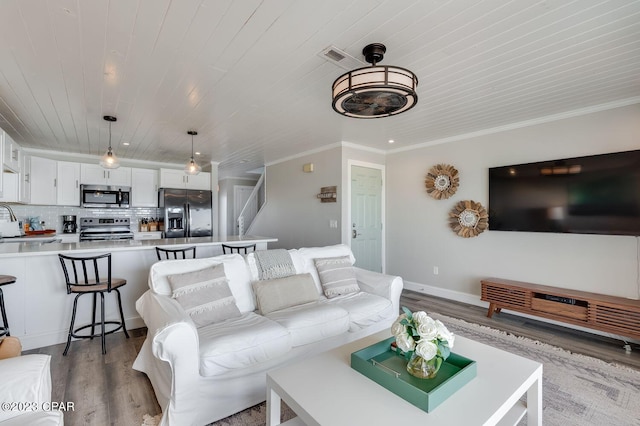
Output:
x=94 y=174
x=144 y=188
x=153 y=235
x=43 y=181
x=171 y=178
x=12 y=154
x=68 y=180
x=10 y=185
x=25 y=180
x=68 y=238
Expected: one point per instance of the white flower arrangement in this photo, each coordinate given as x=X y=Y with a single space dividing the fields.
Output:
x=419 y=332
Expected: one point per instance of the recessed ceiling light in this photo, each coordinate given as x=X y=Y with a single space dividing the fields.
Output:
x=391 y=141
x=125 y=143
x=197 y=153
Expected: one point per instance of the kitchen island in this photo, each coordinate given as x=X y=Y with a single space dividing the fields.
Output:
x=38 y=306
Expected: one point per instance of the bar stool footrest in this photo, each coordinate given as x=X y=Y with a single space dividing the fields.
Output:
x=97 y=326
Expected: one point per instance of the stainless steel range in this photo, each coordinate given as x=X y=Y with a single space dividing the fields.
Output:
x=105 y=228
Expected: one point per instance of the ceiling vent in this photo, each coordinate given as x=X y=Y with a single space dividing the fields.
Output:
x=341 y=58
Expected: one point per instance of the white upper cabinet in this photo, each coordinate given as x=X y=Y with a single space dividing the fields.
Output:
x=68 y=190
x=25 y=180
x=94 y=174
x=43 y=181
x=171 y=178
x=144 y=188
x=10 y=188
x=12 y=154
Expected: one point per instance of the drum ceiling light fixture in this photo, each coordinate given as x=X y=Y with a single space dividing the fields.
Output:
x=376 y=91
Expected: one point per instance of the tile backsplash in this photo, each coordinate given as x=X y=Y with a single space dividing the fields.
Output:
x=51 y=215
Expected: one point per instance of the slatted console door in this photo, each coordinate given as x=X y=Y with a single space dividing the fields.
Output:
x=612 y=314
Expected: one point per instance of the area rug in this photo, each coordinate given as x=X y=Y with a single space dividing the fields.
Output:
x=577 y=390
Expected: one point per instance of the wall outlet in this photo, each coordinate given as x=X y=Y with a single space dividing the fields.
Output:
x=333 y=223
x=435 y=270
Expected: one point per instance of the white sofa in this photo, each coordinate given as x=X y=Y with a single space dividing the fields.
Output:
x=204 y=374
x=26 y=392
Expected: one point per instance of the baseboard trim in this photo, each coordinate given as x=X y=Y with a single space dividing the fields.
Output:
x=35 y=341
x=458 y=296
x=471 y=299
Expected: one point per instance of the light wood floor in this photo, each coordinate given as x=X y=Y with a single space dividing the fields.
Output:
x=573 y=340
x=107 y=391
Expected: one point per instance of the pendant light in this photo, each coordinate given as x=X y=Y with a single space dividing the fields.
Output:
x=109 y=159
x=192 y=168
x=376 y=91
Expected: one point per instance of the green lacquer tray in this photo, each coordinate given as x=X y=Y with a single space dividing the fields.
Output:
x=387 y=368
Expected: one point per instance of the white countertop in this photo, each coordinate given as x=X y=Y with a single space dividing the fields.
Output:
x=37 y=245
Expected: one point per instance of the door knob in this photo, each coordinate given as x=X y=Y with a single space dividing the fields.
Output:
x=354 y=233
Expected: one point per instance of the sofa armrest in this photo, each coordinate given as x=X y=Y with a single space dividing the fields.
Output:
x=387 y=286
x=174 y=335
x=174 y=340
x=26 y=382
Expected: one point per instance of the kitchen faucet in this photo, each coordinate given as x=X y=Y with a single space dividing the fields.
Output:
x=12 y=216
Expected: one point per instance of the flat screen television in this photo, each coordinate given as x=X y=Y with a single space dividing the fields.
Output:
x=598 y=194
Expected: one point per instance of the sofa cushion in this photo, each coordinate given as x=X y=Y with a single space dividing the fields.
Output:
x=235 y=269
x=240 y=343
x=205 y=295
x=311 y=322
x=307 y=255
x=279 y=293
x=364 y=309
x=337 y=276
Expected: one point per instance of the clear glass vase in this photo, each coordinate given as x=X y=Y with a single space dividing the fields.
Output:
x=424 y=368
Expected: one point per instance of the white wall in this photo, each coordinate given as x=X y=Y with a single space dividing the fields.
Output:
x=226 y=202
x=418 y=236
x=292 y=212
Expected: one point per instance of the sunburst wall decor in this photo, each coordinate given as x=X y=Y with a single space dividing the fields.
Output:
x=442 y=181
x=468 y=219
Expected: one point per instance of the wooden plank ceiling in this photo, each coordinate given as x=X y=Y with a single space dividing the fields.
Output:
x=247 y=75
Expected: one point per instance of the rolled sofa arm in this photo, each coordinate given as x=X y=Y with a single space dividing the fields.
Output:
x=26 y=384
x=387 y=286
x=174 y=335
x=174 y=340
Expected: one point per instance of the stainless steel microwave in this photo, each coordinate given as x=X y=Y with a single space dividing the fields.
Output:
x=106 y=197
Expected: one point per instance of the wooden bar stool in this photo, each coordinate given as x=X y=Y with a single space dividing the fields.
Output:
x=237 y=249
x=92 y=275
x=5 y=279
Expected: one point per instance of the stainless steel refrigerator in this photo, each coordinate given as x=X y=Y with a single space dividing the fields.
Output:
x=187 y=212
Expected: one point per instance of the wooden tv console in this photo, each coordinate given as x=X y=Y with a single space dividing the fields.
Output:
x=612 y=314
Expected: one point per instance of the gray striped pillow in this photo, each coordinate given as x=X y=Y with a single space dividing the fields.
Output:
x=205 y=295
x=336 y=276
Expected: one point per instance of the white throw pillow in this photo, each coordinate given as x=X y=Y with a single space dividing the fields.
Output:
x=307 y=255
x=234 y=266
x=280 y=293
x=337 y=276
x=205 y=295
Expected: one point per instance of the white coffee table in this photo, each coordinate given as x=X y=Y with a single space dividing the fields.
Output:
x=325 y=390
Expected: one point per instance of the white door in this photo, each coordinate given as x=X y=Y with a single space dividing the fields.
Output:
x=240 y=196
x=366 y=217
